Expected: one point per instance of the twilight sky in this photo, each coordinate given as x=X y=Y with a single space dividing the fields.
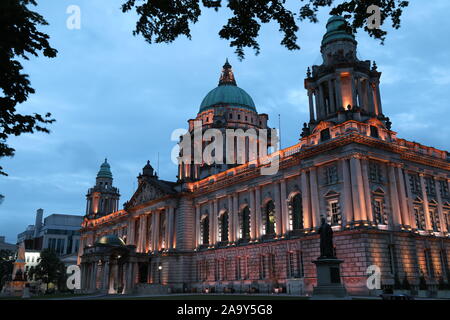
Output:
x=116 y=96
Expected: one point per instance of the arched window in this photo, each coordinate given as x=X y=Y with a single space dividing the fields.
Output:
x=223 y=227
x=204 y=229
x=245 y=224
x=296 y=212
x=269 y=218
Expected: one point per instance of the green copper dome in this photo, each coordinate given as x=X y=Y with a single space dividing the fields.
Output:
x=111 y=240
x=105 y=170
x=337 y=29
x=227 y=93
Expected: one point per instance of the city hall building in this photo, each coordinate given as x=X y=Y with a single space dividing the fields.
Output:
x=228 y=228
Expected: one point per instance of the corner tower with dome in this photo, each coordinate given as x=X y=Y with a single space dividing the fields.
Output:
x=228 y=228
x=103 y=198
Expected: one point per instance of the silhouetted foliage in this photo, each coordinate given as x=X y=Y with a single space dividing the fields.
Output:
x=2 y=197
x=162 y=21
x=19 y=38
x=6 y=266
x=50 y=269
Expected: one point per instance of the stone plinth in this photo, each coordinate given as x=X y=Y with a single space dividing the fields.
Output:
x=329 y=284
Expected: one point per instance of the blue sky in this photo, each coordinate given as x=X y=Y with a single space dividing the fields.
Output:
x=116 y=96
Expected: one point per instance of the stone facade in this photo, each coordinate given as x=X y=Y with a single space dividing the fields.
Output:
x=231 y=229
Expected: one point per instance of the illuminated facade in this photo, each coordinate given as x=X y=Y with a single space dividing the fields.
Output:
x=230 y=229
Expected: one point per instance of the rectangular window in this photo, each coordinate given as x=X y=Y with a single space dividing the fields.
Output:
x=430 y=186
x=444 y=189
x=290 y=265
x=378 y=210
x=331 y=176
x=392 y=259
x=434 y=219
x=301 y=269
x=414 y=183
x=374 y=172
x=263 y=265
x=429 y=263
x=334 y=213
x=419 y=217
x=238 y=269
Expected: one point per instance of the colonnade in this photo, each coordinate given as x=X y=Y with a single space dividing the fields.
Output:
x=153 y=231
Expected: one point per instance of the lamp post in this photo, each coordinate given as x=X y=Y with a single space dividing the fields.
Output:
x=159 y=273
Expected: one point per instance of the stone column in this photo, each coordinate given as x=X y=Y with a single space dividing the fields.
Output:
x=394 y=195
x=317 y=103
x=112 y=280
x=367 y=191
x=211 y=223
x=144 y=233
x=83 y=275
x=258 y=212
x=278 y=223
x=378 y=97
x=369 y=89
x=94 y=276
x=230 y=218
x=359 y=205
x=311 y=105
x=252 y=214
x=105 y=276
x=307 y=219
x=169 y=228
x=354 y=99
x=315 y=207
x=322 y=110
x=425 y=203
x=235 y=217
x=331 y=96
x=197 y=226
x=156 y=245
x=410 y=196
x=130 y=231
x=403 y=200
x=339 y=103
x=284 y=207
x=360 y=94
x=440 y=207
x=216 y=220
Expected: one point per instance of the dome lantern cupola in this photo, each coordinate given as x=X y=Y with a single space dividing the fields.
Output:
x=227 y=93
x=105 y=170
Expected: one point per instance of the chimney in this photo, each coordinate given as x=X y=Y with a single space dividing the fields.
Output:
x=38 y=222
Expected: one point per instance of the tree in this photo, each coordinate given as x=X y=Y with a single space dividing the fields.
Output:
x=19 y=38
x=163 y=21
x=50 y=269
x=6 y=266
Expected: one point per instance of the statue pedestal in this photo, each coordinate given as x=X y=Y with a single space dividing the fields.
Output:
x=329 y=284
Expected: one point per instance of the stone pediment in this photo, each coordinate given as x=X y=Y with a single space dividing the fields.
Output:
x=147 y=191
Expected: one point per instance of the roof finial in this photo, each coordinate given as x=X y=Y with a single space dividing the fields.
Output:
x=227 y=76
x=374 y=67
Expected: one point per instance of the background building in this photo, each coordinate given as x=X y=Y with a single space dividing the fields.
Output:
x=7 y=246
x=59 y=232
